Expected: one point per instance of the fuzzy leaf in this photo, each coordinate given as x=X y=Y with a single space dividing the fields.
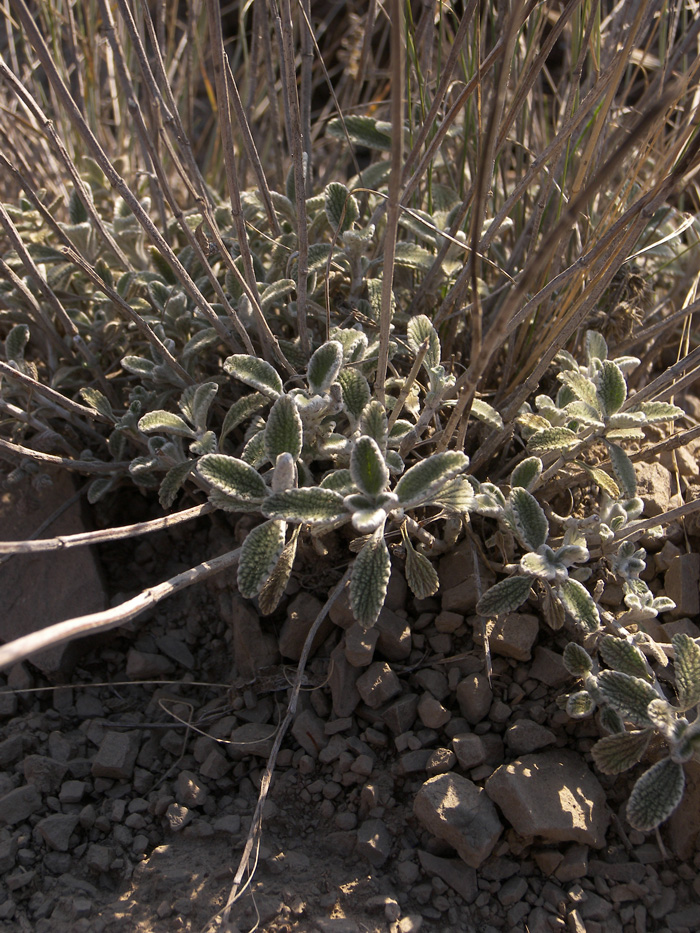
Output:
x=656 y=795
x=254 y=451
x=581 y=386
x=664 y=718
x=455 y=496
x=370 y=579
x=482 y=411
x=630 y=696
x=366 y=520
x=15 y=343
x=324 y=367
x=273 y=588
x=362 y=131
x=275 y=292
x=232 y=477
x=374 y=424
x=394 y=462
x=687 y=670
x=661 y=411
x=412 y=256
x=577 y=660
x=241 y=410
x=138 y=366
x=531 y=523
x=260 y=553
x=95 y=399
x=579 y=704
x=421 y=576
x=623 y=656
x=255 y=373
x=427 y=478
x=611 y=720
x=167 y=422
x=624 y=469
x=602 y=479
x=285 y=473
x=579 y=603
x=596 y=347
x=172 y=482
x=418 y=330
x=614 y=754
x=368 y=467
x=611 y=388
x=283 y=431
x=310 y=505
x=339 y=481
x=356 y=391
x=196 y=408
x=526 y=473
x=551 y=439
x=341 y=207
x=505 y=596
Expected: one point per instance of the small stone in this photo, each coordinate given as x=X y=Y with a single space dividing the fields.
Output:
x=512 y=635
x=56 y=830
x=11 y=750
x=431 y=712
x=440 y=761
x=252 y=738
x=178 y=816
x=374 y=842
x=189 y=791
x=176 y=650
x=654 y=487
x=684 y=824
x=527 y=736
x=309 y=732
x=342 y=683
x=8 y=854
x=99 y=858
x=215 y=765
x=410 y=924
x=229 y=824
x=116 y=756
x=378 y=685
x=412 y=762
x=455 y=810
x=19 y=804
x=469 y=750
x=142 y=665
x=394 y=639
x=682 y=584
x=574 y=865
x=448 y=622
x=72 y=791
x=301 y=615
x=474 y=696
x=460 y=877
x=434 y=682
x=512 y=891
x=548 y=667
x=360 y=644
x=253 y=649
x=400 y=715
x=44 y=773
x=553 y=795
x=547 y=860
x=463 y=577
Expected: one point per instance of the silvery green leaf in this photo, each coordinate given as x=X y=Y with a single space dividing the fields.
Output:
x=341 y=207
x=254 y=372
x=254 y=451
x=630 y=696
x=623 y=434
x=551 y=439
x=611 y=721
x=232 y=503
x=579 y=604
x=615 y=753
x=579 y=704
x=664 y=718
x=399 y=429
x=339 y=481
x=309 y=505
x=95 y=399
x=596 y=347
x=172 y=482
x=582 y=413
x=324 y=367
x=138 y=366
x=421 y=576
x=354 y=342
x=663 y=604
x=611 y=387
x=623 y=468
x=418 y=330
x=232 y=477
x=370 y=579
x=625 y=419
x=333 y=446
x=577 y=660
x=582 y=387
x=99 y=488
x=273 y=588
x=533 y=423
x=368 y=467
x=424 y=480
x=206 y=444
x=195 y=401
x=650 y=648
x=241 y=410
x=167 y=422
x=622 y=655
x=356 y=391
x=368 y=520
x=374 y=291
x=395 y=463
x=310 y=408
x=660 y=411
x=362 y=131
x=284 y=475
x=374 y=424
x=543 y=563
x=505 y=596
x=531 y=523
x=412 y=256
x=527 y=473
x=283 y=430
x=602 y=479
x=687 y=670
x=455 y=496
x=656 y=795
x=260 y=553
x=275 y=292
x=486 y=413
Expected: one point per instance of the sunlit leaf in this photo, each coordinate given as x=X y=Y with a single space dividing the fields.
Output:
x=260 y=553
x=656 y=795
x=615 y=753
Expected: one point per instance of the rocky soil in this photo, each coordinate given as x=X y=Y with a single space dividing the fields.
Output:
x=414 y=792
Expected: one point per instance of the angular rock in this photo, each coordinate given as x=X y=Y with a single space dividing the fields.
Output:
x=469 y=749
x=400 y=715
x=142 y=665
x=45 y=588
x=116 y=756
x=552 y=795
x=460 y=877
x=342 y=682
x=17 y=805
x=57 y=829
x=654 y=486
x=394 y=640
x=455 y=810
x=432 y=713
x=682 y=584
x=252 y=738
x=301 y=615
x=527 y=736
x=548 y=667
x=512 y=635
x=176 y=650
x=463 y=578
x=474 y=696
x=11 y=750
x=309 y=732
x=189 y=791
x=684 y=824
x=252 y=648
x=440 y=761
x=44 y=773
x=374 y=842
x=360 y=644
x=378 y=685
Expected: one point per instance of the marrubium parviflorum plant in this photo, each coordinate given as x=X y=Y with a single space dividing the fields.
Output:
x=202 y=292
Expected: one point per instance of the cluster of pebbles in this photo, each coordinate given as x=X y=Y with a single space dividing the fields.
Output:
x=414 y=792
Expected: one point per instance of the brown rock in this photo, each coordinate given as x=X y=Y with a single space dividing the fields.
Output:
x=116 y=756
x=342 y=682
x=41 y=589
x=463 y=578
x=301 y=615
x=252 y=648
x=512 y=635
x=684 y=824
x=460 y=877
x=19 y=804
x=552 y=795
x=682 y=584
x=474 y=696
x=548 y=667
x=378 y=684
x=655 y=487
